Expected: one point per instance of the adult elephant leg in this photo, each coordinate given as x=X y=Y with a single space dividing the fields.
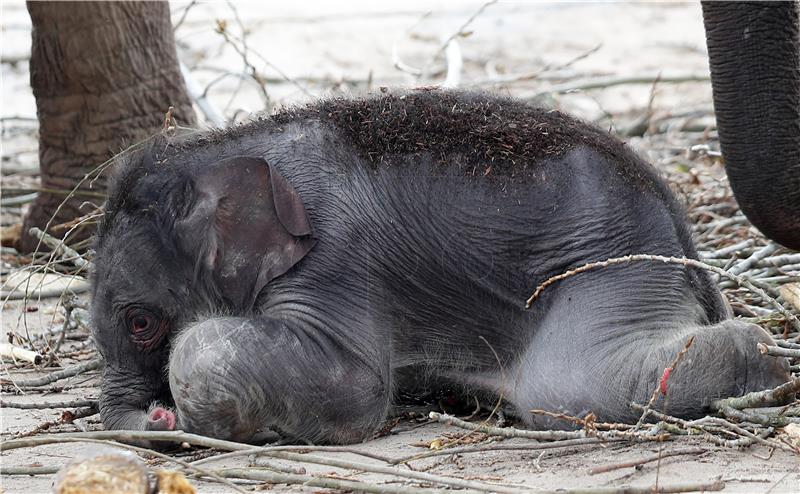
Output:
x=234 y=378
x=103 y=74
x=754 y=54
x=605 y=343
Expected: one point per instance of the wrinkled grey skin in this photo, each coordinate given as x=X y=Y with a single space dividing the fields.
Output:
x=425 y=242
x=754 y=54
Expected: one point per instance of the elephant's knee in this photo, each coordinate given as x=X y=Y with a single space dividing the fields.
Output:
x=212 y=393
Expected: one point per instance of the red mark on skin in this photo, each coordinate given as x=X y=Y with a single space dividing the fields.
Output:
x=162 y=419
x=662 y=383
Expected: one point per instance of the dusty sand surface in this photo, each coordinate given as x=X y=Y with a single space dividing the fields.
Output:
x=338 y=48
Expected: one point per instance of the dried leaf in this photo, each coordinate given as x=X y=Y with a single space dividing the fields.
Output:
x=791 y=294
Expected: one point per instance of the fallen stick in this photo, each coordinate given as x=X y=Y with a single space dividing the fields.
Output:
x=71 y=371
x=742 y=432
x=741 y=281
x=197 y=94
x=331 y=483
x=357 y=486
x=506 y=431
x=17 y=353
x=258 y=450
x=604 y=82
x=52 y=404
x=60 y=248
x=761 y=398
x=67 y=417
x=675 y=425
x=769 y=420
x=276 y=452
x=649 y=459
x=777 y=351
x=567 y=443
x=74 y=289
x=731 y=249
x=539 y=435
x=787 y=344
x=6 y=470
x=754 y=258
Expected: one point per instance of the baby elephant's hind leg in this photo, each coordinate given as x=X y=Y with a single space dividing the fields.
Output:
x=581 y=375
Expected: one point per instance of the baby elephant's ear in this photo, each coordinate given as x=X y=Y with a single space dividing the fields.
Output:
x=248 y=225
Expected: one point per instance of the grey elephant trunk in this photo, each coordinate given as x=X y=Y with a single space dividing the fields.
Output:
x=755 y=73
x=124 y=400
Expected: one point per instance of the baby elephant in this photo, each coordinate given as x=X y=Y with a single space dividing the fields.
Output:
x=298 y=273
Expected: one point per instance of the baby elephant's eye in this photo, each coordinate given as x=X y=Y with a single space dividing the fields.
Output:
x=141 y=323
x=147 y=330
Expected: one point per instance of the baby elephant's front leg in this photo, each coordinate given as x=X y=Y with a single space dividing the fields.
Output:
x=234 y=378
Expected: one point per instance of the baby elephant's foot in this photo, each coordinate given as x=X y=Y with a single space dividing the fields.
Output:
x=723 y=361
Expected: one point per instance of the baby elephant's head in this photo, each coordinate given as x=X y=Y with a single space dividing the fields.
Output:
x=181 y=239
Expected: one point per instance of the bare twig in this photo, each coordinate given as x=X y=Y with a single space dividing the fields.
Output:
x=461 y=30
x=197 y=94
x=331 y=483
x=17 y=353
x=777 y=351
x=649 y=459
x=180 y=436
x=48 y=404
x=59 y=248
x=757 y=256
x=58 y=375
x=351 y=485
x=684 y=427
x=75 y=289
x=761 y=398
x=567 y=443
x=539 y=435
x=259 y=450
x=768 y=420
x=7 y=470
x=604 y=82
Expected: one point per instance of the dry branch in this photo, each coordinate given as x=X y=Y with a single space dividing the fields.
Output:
x=567 y=443
x=58 y=375
x=60 y=248
x=276 y=452
x=649 y=459
x=605 y=82
x=506 y=431
x=540 y=435
x=17 y=353
x=331 y=483
x=761 y=398
x=42 y=405
x=350 y=485
x=777 y=351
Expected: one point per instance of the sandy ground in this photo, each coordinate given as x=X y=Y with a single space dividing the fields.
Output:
x=337 y=47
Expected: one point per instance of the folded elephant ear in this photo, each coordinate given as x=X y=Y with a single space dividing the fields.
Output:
x=248 y=226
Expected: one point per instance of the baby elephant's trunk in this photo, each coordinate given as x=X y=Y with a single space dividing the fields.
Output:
x=126 y=397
